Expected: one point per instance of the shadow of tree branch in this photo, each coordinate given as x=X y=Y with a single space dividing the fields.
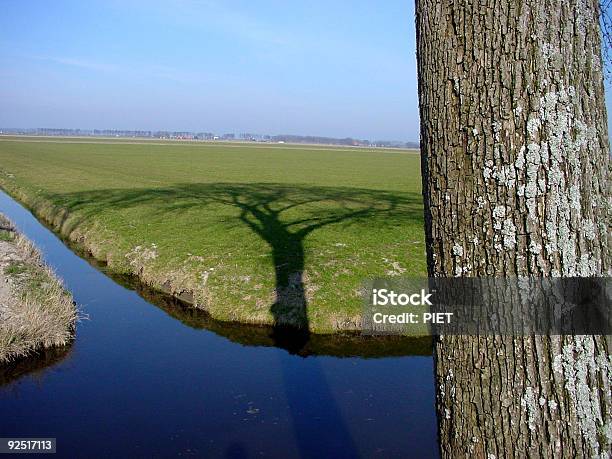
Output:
x=281 y=215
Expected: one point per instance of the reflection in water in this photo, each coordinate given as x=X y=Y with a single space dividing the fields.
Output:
x=34 y=365
x=338 y=345
x=316 y=417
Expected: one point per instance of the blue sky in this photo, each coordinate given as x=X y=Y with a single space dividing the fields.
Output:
x=333 y=68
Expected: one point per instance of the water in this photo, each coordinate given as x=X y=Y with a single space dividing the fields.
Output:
x=155 y=379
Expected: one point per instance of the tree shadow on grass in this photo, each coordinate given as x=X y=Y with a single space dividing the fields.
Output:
x=281 y=215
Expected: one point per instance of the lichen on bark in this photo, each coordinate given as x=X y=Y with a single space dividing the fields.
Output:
x=516 y=182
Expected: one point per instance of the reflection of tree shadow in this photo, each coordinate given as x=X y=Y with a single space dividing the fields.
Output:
x=318 y=423
x=336 y=345
x=33 y=365
x=281 y=215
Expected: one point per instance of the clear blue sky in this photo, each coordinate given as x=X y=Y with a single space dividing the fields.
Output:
x=333 y=67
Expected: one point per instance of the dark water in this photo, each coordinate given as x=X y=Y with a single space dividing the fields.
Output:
x=154 y=379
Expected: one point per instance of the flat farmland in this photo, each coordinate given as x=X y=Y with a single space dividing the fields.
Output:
x=253 y=233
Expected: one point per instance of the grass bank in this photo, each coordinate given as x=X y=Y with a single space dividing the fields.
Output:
x=36 y=312
x=280 y=235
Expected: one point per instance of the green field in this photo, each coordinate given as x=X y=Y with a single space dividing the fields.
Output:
x=253 y=233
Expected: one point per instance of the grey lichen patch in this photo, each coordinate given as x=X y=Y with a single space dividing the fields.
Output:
x=584 y=17
x=509 y=233
x=496 y=130
x=528 y=402
x=535 y=248
x=505 y=229
x=532 y=159
x=557 y=364
x=450 y=383
x=518 y=110
x=548 y=50
x=588 y=266
x=574 y=197
x=549 y=170
x=499 y=212
x=533 y=126
x=487 y=172
x=589 y=230
x=582 y=370
x=505 y=175
x=519 y=164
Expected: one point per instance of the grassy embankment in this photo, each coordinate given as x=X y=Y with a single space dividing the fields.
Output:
x=35 y=311
x=251 y=233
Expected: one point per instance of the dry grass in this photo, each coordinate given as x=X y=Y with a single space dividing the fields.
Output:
x=35 y=310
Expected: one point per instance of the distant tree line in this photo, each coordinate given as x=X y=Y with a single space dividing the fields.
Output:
x=187 y=135
x=344 y=141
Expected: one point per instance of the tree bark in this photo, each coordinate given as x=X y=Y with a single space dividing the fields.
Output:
x=516 y=168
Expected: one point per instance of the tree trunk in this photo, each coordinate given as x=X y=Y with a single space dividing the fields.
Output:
x=515 y=162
